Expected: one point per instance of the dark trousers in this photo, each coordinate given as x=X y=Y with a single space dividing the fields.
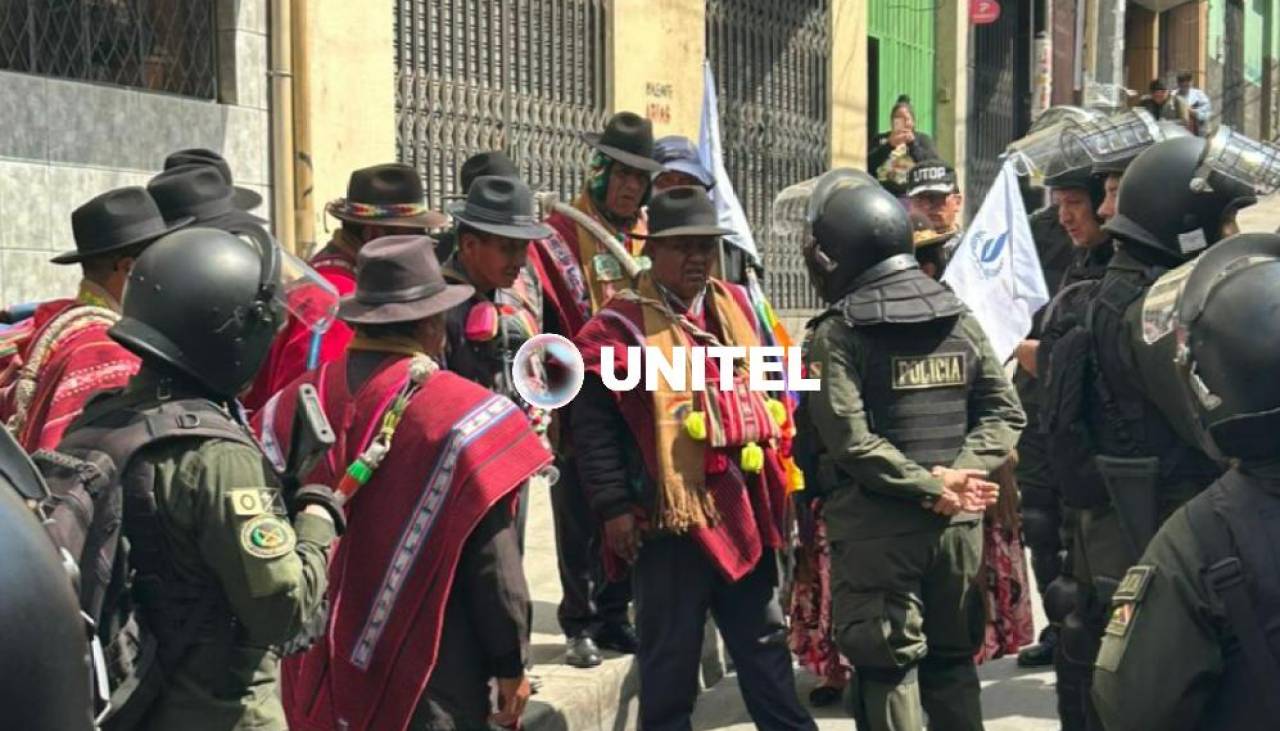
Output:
x=675 y=585
x=589 y=602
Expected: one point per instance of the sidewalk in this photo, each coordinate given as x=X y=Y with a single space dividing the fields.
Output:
x=604 y=698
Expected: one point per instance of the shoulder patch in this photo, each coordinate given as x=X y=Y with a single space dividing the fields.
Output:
x=1134 y=584
x=252 y=501
x=928 y=371
x=267 y=536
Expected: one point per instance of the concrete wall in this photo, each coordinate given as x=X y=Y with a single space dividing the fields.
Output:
x=656 y=48
x=67 y=141
x=352 y=110
x=849 y=83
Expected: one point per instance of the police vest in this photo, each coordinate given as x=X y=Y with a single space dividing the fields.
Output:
x=1122 y=421
x=1237 y=524
x=915 y=386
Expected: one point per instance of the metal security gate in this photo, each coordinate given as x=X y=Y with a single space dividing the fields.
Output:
x=1000 y=101
x=771 y=62
x=524 y=76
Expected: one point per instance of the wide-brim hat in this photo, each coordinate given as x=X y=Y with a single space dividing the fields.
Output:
x=491 y=162
x=242 y=198
x=502 y=206
x=683 y=211
x=116 y=220
x=388 y=195
x=627 y=138
x=398 y=279
x=198 y=191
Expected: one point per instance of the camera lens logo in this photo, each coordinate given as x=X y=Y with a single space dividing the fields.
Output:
x=548 y=371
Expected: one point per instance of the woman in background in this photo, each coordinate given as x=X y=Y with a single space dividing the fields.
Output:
x=898 y=150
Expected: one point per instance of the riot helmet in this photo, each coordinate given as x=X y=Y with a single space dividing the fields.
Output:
x=1081 y=177
x=857 y=230
x=1040 y=152
x=1161 y=211
x=1227 y=330
x=44 y=640
x=209 y=303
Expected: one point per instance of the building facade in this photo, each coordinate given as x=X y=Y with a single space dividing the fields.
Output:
x=98 y=93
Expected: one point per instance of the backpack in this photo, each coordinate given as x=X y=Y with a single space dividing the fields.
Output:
x=103 y=518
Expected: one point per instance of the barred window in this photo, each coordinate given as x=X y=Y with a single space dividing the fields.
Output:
x=160 y=45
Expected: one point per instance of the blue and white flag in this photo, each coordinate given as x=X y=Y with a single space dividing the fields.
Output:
x=995 y=269
x=728 y=209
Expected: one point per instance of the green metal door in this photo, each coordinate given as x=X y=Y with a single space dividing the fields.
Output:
x=904 y=31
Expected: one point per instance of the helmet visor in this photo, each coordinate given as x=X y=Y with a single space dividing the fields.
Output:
x=1117 y=137
x=305 y=294
x=798 y=206
x=1240 y=158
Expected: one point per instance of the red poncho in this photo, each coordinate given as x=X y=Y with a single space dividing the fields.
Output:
x=458 y=450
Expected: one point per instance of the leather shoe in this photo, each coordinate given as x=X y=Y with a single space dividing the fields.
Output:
x=618 y=638
x=581 y=652
x=1041 y=654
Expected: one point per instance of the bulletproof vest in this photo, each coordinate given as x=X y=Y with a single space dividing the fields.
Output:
x=915 y=386
x=178 y=611
x=1237 y=525
x=1122 y=422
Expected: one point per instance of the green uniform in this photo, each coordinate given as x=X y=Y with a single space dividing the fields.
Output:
x=1172 y=655
x=904 y=593
x=220 y=507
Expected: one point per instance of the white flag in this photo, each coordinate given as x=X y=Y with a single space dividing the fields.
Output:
x=728 y=208
x=995 y=269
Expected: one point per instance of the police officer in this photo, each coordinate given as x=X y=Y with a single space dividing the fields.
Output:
x=1193 y=638
x=914 y=411
x=46 y=683
x=1119 y=463
x=225 y=571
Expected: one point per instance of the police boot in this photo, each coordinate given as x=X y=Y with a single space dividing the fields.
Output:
x=1040 y=655
x=1074 y=669
x=950 y=693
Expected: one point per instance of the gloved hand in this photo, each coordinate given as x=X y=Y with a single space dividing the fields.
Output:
x=324 y=497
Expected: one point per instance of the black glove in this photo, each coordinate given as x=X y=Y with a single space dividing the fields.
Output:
x=324 y=497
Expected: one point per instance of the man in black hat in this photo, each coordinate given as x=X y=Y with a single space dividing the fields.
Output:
x=932 y=192
x=492 y=162
x=580 y=273
x=242 y=198
x=68 y=356
x=423 y=621
x=381 y=201
x=199 y=192
x=494 y=229
x=698 y=519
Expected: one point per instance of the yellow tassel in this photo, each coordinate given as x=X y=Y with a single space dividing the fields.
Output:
x=695 y=424
x=752 y=458
x=777 y=410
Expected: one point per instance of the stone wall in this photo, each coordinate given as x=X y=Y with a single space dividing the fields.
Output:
x=67 y=141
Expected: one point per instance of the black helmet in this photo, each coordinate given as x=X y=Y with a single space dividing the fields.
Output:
x=1159 y=211
x=1228 y=335
x=856 y=229
x=1080 y=178
x=205 y=302
x=48 y=683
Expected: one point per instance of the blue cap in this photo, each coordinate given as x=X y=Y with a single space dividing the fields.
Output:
x=679 y=154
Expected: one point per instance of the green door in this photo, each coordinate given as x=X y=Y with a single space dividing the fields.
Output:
x=902 y=42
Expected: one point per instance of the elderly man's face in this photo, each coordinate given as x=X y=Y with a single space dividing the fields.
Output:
x=626 y=190
x=942 y=209
x=674 y=179
x=682 y=264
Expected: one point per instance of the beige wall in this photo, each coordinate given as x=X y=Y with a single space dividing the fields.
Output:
x=656 y=49
x=951 y=67
x=1141 y=46
x=848 y=83
x=353 y=121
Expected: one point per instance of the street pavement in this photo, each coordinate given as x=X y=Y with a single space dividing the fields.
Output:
x=570 y=699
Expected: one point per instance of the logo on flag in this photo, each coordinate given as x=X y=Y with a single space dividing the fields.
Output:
x=989 y=252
